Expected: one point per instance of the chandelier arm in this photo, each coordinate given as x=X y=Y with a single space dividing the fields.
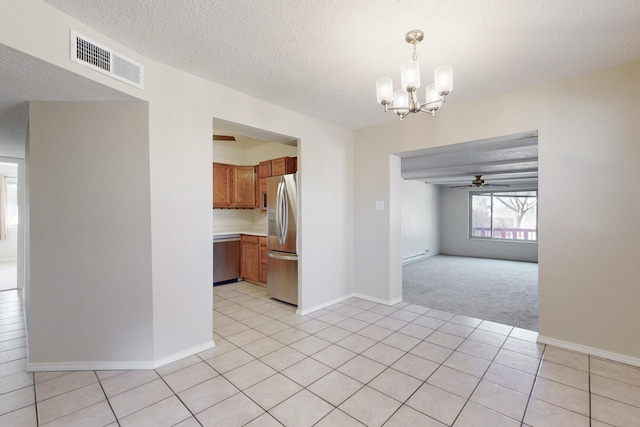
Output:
x=431 y=112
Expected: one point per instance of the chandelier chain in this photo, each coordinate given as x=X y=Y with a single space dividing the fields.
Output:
x=415 y=55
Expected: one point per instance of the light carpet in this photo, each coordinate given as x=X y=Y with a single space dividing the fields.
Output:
x=497 y=290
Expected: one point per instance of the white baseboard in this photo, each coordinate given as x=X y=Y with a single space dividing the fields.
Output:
x=378 y=300
x=88 y=366
x=186 y=353
x=306 y=311
x=634 y=361
x=119 y=365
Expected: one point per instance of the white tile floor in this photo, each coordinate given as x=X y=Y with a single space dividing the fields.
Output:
x=355 y=363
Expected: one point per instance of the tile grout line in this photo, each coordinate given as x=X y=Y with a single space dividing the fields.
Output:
x=107 y=398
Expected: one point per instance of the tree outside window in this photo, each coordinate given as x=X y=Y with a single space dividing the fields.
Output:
x=505 y=215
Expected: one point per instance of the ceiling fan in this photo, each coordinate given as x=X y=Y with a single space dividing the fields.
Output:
x=479 y=183
x=224 y=138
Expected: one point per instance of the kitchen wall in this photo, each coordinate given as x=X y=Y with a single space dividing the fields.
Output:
x=455 y=233
x=245 y=151
x=588 y=247
x=420 y=218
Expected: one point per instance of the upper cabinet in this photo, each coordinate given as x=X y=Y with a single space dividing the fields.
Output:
x=246 y=186
x=283 y=166
x=222 y=185
x=275 y=167
x=234 y=186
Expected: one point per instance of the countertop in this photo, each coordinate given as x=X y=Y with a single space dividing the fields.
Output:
x=218 y=234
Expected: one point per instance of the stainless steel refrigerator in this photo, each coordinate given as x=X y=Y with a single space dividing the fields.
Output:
x=282 y=242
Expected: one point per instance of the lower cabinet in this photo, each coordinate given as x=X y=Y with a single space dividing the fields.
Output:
x=253 y=250
x=263 y=260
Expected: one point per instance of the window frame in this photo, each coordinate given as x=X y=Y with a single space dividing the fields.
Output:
x=491 y=193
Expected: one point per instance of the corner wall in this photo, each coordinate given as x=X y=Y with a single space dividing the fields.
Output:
x=90 y=290
x=588 y=244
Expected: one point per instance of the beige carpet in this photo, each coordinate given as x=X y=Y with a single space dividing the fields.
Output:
x=497 y=290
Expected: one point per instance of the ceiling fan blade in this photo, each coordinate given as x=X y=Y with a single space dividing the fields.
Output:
x=224 y=138
x=496 y=185
x=461 y=186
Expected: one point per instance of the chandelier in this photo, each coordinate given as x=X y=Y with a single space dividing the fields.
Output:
x=405 y=100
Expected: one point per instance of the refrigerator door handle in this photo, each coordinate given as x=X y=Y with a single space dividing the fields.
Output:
x=285 y=212
x=283 y=257
x=278 y=213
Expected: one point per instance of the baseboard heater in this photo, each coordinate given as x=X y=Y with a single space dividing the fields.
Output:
x=413 y=258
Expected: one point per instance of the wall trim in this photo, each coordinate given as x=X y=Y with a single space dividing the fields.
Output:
x=185 y=353
x=306 y=311
x=117 y=365
x=592 y=351
x=378 y=300
x=88 y=366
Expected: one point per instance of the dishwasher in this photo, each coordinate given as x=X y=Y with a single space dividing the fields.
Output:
x=226 y=258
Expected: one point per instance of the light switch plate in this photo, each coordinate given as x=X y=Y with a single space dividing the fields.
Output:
x=379 y=205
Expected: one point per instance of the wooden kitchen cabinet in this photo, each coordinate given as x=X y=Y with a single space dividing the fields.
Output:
x=244 y=187
x=264 y=169
x=274 y=167
x=283 y=166
x=250 y=258
x=263 y=259
x=234 y=186
x=222 y=185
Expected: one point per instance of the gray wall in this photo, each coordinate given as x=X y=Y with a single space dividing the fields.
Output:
x=420 y=218
x=90 y=237
x=455 y=233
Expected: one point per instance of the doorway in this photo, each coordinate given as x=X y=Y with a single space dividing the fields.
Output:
x=462 y=256
x=11 y=241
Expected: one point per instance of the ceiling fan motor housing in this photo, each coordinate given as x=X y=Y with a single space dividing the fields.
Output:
x=478 y=182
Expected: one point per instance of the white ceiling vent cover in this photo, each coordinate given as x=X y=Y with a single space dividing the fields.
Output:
x=100 y=58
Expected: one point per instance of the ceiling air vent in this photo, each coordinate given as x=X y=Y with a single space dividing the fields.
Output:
x=102 y=59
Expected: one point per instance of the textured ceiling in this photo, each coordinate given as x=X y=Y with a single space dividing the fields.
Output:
x=322 y=57
x=24 y=78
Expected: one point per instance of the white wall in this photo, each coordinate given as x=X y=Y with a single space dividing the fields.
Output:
x=455 y=233
x=181 y=109
x=420 y=218
x=90 y=288
x=588 y=245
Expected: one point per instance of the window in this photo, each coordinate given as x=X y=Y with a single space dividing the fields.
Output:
x=504 y=215
x=12 y=202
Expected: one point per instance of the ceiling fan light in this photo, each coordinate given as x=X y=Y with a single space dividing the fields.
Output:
x=410 y=73
x=434 y=100
x=384 y=90
x=443 y=77
x=401 y=101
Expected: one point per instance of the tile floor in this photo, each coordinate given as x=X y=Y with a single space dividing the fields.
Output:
x=355 y=363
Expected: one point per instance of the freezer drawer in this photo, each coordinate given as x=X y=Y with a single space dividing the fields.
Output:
x=282 y=277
